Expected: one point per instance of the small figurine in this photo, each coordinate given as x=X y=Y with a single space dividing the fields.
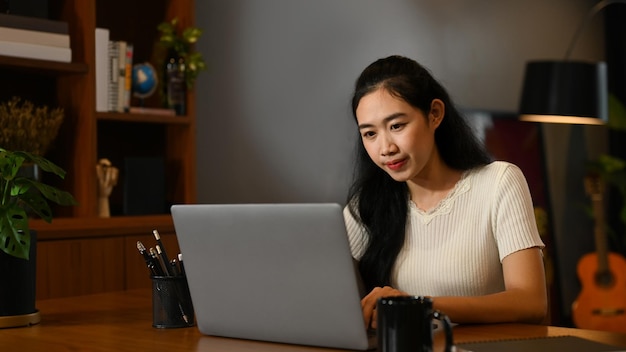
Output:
x=107 y=179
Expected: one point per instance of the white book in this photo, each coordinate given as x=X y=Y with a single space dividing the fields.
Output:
x=34 y=37
x=35 y=51
x=102 y=69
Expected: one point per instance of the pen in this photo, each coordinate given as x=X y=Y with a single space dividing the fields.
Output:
x=174 y=267
x=165 y=265
x=182 y=312
x=162 y=251
x=180 y=264
x=146 y=257
x=157 y=265
x=181 y=271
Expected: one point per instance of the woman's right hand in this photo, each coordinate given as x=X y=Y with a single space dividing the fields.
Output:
x=368 y=303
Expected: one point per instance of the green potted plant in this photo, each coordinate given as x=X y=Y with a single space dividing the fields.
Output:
x=180 y=43
x=20 y=195
x=26 y=132
x=182 y=64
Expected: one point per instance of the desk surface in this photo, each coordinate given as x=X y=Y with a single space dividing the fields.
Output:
x=121 y=321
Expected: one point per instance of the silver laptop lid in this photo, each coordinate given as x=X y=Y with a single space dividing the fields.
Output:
x=273 y=272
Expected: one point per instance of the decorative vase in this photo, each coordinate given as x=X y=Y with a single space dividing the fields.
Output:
x=17 y=288
x=175 y=88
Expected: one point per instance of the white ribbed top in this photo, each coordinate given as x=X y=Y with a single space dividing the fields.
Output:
x=456 y=248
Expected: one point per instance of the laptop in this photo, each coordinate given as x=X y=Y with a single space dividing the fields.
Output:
x=272 y=272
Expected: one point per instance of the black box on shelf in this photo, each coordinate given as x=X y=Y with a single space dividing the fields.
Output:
x=144 y=185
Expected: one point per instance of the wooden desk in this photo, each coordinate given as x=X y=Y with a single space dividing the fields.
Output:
x=122 y=321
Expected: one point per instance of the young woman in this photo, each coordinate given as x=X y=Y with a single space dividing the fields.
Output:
x=430 y=214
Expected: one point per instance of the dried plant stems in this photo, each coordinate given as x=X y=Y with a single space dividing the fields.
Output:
x=24 y=126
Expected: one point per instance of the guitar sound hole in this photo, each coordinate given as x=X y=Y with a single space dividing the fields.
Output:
x=605 y=279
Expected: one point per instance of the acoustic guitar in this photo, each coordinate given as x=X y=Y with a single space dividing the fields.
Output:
x=601 y=304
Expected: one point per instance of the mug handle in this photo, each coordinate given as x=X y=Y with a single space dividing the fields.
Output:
x=447 y=328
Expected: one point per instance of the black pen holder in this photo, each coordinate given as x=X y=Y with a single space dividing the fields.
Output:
x=171 y=302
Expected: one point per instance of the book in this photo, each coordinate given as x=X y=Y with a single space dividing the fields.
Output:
x=152 y=111
x=33 y=23
x=128 y=78
x=102 y=69
x=34 y=37
x=117 y=57
x=121 y=72
x=538 y=344
x=35 y=51
x=113 y=75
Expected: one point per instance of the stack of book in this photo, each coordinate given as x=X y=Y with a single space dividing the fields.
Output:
x=34 y=38
x=114 y=64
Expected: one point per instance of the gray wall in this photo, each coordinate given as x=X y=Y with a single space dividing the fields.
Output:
x=274 y=123
x=273 y=115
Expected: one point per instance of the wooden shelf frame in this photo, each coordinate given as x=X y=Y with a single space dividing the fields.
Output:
x=81 y=228
x=80 y=253
x=144 y=118
x=43 y=66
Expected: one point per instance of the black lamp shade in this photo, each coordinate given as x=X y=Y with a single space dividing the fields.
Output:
x=565 y=92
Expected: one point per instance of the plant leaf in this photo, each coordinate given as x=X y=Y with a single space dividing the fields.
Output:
x=617 y=113
x=44 y=164
x=52 y=193
x=10 y=164
x=19 y=188
x=14 y=233
x=191 y=34
x=36 y=203
x=165 y=27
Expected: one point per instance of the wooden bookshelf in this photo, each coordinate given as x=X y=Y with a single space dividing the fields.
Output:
x=79 y=253
x=42 y=66
x=144 y=118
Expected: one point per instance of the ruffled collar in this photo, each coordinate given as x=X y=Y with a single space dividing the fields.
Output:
x=445 y=205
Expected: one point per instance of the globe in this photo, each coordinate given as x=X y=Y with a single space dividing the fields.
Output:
x=145 y=80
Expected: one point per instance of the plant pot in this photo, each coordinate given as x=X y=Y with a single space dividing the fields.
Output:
x=17 y=288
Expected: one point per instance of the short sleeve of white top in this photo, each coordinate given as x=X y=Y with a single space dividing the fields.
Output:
x=456 y=249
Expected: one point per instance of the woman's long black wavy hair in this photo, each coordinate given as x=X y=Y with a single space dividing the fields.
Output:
x=376 y=199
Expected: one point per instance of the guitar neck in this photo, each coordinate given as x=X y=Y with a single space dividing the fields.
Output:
x=595 y=188
x=600 y=235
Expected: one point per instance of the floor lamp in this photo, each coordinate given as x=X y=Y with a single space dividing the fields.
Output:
x=570 y=92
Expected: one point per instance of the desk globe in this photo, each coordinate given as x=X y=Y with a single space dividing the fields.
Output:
x=145 y=80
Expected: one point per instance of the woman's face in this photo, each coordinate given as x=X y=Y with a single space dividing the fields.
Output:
x=398 y=137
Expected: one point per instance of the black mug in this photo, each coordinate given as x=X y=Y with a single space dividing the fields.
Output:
x=405 y=324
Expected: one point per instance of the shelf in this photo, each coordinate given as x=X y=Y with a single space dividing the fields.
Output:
x=146 y=118
x=43 y=66
x=73 y=228
x=77 y=236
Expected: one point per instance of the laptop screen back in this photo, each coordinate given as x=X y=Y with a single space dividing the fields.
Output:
x=273 y=272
